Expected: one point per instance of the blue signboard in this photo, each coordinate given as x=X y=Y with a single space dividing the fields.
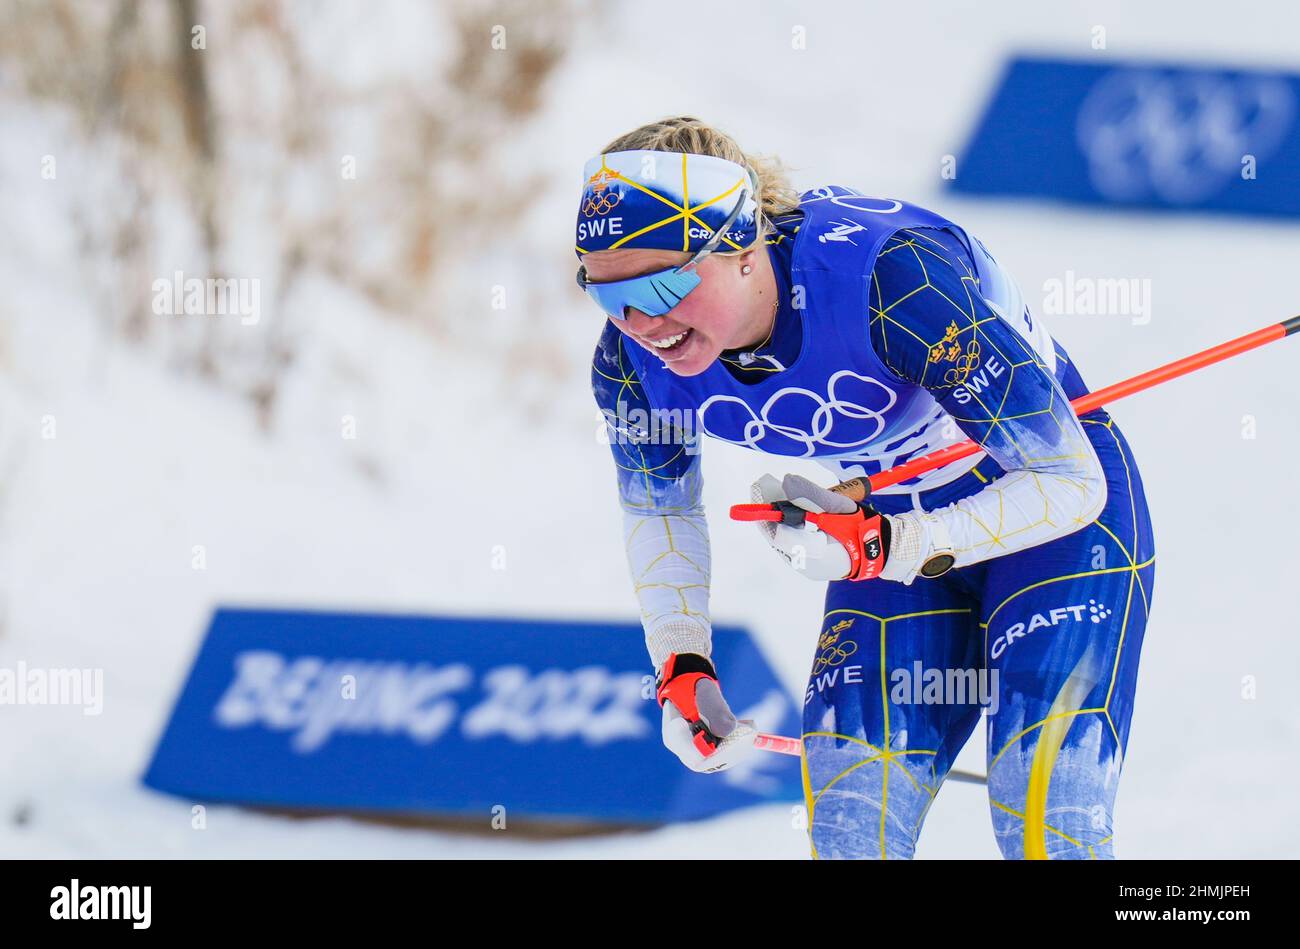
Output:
x=453 y=716
x=1140 y=135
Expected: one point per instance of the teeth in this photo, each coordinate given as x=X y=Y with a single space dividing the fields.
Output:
x=669 y=342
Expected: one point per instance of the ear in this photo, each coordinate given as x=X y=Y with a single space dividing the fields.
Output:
x=746 y=260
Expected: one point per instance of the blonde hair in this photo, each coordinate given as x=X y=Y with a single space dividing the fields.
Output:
x=683 y=133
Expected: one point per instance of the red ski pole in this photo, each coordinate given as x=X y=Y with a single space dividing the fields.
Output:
x=1081 y=406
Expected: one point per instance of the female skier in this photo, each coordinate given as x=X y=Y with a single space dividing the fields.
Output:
x=863 y=332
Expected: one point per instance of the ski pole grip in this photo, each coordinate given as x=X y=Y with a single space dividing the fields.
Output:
x=855 y=489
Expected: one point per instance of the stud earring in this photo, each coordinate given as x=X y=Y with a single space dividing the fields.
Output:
x=746 y=269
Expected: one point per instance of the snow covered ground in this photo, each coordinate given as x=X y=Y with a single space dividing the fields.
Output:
x=97 y=525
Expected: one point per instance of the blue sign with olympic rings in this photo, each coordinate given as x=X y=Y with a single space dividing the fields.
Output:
x=1140 y=135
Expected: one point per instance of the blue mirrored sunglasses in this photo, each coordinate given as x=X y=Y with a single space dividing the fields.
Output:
x=654 y=294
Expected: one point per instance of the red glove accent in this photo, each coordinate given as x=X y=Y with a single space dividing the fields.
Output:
x=678 y=678
x=864 y=534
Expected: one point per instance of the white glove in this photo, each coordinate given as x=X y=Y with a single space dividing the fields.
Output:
x=915 y=537
x=812 y=553
x=703 y=733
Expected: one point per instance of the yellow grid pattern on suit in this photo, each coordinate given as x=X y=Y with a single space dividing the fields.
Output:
x=1038 y=781
x=964 y=332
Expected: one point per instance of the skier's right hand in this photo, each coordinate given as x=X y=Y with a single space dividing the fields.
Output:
x=698 y=725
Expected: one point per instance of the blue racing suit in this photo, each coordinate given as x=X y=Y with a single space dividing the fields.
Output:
x=899 y=333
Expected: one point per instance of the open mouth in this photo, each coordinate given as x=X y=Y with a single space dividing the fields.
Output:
x=669 y=343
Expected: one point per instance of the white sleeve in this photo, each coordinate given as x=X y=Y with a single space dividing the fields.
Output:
x=659 y=484
x=668 y=555
x=1060 y=489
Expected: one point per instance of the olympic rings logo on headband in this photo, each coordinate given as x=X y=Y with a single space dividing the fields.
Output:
x=601 y=202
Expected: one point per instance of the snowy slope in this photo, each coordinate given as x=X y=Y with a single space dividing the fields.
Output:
x=98 y=524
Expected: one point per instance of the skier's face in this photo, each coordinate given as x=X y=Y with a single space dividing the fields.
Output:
x=713 y=316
